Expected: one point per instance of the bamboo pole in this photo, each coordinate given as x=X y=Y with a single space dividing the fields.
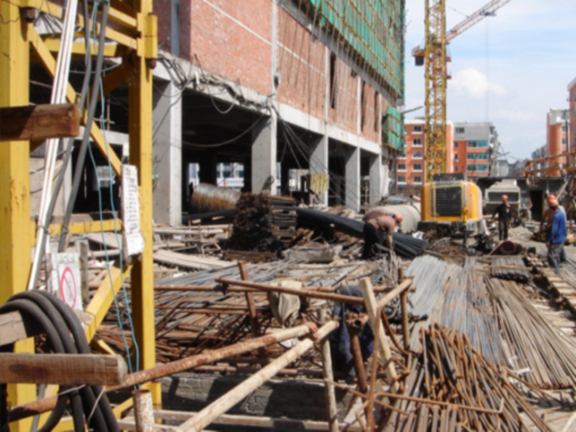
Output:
x=227 y=401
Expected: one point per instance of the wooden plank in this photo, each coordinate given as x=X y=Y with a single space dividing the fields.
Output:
x=39 y=122
x=12 y=328
x=65 y=369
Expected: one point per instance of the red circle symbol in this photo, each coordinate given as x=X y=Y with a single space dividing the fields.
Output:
x=68 y=291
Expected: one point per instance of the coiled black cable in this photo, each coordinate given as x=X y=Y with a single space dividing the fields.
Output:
x=59 y=323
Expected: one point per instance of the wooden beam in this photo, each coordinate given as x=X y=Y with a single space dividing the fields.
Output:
x=13 y=328
x=64 y=369
x=39 y=122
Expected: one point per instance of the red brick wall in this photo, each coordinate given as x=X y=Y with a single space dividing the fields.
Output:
x=301 y=62
x=162 y=9
x=231 y=38
x=345 y=113
x=370 y=113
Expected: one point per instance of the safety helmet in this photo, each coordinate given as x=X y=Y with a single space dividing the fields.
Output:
x=399 y=217
x=553 y=202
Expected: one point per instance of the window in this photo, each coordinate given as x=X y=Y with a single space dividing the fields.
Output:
x=455 y=168
x=477 y=168
x=417 y=128
x=478 y=144
x=417 y=167
x=455 y=144
x=477 y=156
x=417 y=179
x=401 y=179
x=418 y=142
x=563 y=141
x=564 y=127
x=455 y=158
x=332 y=80
x=471 y=156
x=417 y=155
x=401 y=167
x=459 y=130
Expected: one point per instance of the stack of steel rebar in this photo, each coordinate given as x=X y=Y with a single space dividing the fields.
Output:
x=510 y=267
x=545 y=356
x=452 y=387
x=467 y=308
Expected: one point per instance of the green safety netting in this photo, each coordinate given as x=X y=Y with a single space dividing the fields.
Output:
x=393 y=129
x=374 y=29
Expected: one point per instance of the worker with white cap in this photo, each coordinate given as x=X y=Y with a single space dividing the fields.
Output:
x=377 y=224
x=557 y=235
x=504 y=212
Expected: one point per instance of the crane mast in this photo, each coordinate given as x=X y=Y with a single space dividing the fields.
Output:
x=435 y=85
x=434 y=58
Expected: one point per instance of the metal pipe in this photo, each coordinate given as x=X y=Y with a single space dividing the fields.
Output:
x=294 y=291
x=160 y=371
x=228 y=400
x=143 y=410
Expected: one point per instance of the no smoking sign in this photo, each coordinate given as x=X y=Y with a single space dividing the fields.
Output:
x=65 y=279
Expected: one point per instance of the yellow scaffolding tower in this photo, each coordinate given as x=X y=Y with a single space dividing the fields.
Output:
x=135 y=32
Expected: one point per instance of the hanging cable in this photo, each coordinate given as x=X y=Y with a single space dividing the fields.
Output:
x=88 y=127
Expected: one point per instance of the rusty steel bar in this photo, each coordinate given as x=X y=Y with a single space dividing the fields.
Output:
x=228 y=400
x=299 y=292
x=218 y=287
x=354 y=324
x=47 y=404
x=143 y=410
x=395 y=292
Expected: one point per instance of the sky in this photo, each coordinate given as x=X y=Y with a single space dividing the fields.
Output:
x=510 y=69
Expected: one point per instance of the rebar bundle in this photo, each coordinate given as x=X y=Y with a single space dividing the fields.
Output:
x=510 y=267
x=467 y=308
x=452 y=387
x=543 y=354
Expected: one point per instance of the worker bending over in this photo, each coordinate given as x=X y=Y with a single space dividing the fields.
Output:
x=557 y=235
x=377 y=225
x=504 y=212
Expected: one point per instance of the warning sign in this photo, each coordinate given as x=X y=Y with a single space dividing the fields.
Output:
x=65 y=279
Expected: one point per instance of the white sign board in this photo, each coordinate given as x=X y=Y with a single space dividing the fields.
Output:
x=65 y=278
x=133 y=240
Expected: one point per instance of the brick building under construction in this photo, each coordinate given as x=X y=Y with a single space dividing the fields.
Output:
x=276 y=86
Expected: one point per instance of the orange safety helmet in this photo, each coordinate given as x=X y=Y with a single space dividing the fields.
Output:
x=553 y=202
x=399 y=218
x=552 y=197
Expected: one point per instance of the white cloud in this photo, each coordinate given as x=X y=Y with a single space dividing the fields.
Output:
x=517 y=116
x=475 y=84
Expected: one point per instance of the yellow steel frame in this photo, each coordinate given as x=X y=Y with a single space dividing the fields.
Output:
x=435 y=87
x=135 y=33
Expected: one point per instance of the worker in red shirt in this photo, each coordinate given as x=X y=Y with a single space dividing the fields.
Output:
x=376 y=226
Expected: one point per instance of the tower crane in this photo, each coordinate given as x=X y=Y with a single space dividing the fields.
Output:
x=433 y=57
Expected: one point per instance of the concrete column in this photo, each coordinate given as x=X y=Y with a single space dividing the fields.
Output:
x=319 y=162
x=353 y=178
x=375 y=179
x=167 y=154
x=264 y=149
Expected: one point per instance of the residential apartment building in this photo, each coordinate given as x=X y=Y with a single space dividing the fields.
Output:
x=556 y=139
x=410 y=166
x=481 y=143
x=572 y=118
x=471 y=149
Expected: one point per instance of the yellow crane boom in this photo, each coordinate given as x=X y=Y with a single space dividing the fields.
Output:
x=433 y=57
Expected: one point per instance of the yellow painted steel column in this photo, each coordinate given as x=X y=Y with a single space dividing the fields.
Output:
x=140 y=130
x=15 y=234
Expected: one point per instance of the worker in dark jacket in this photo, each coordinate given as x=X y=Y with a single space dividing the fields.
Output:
x=557 y=236
x=504 y=212
x=375 y=228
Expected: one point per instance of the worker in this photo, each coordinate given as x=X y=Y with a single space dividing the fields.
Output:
x=378 y=224
x=557 y=235
x=504 y=212
x=546 y=222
